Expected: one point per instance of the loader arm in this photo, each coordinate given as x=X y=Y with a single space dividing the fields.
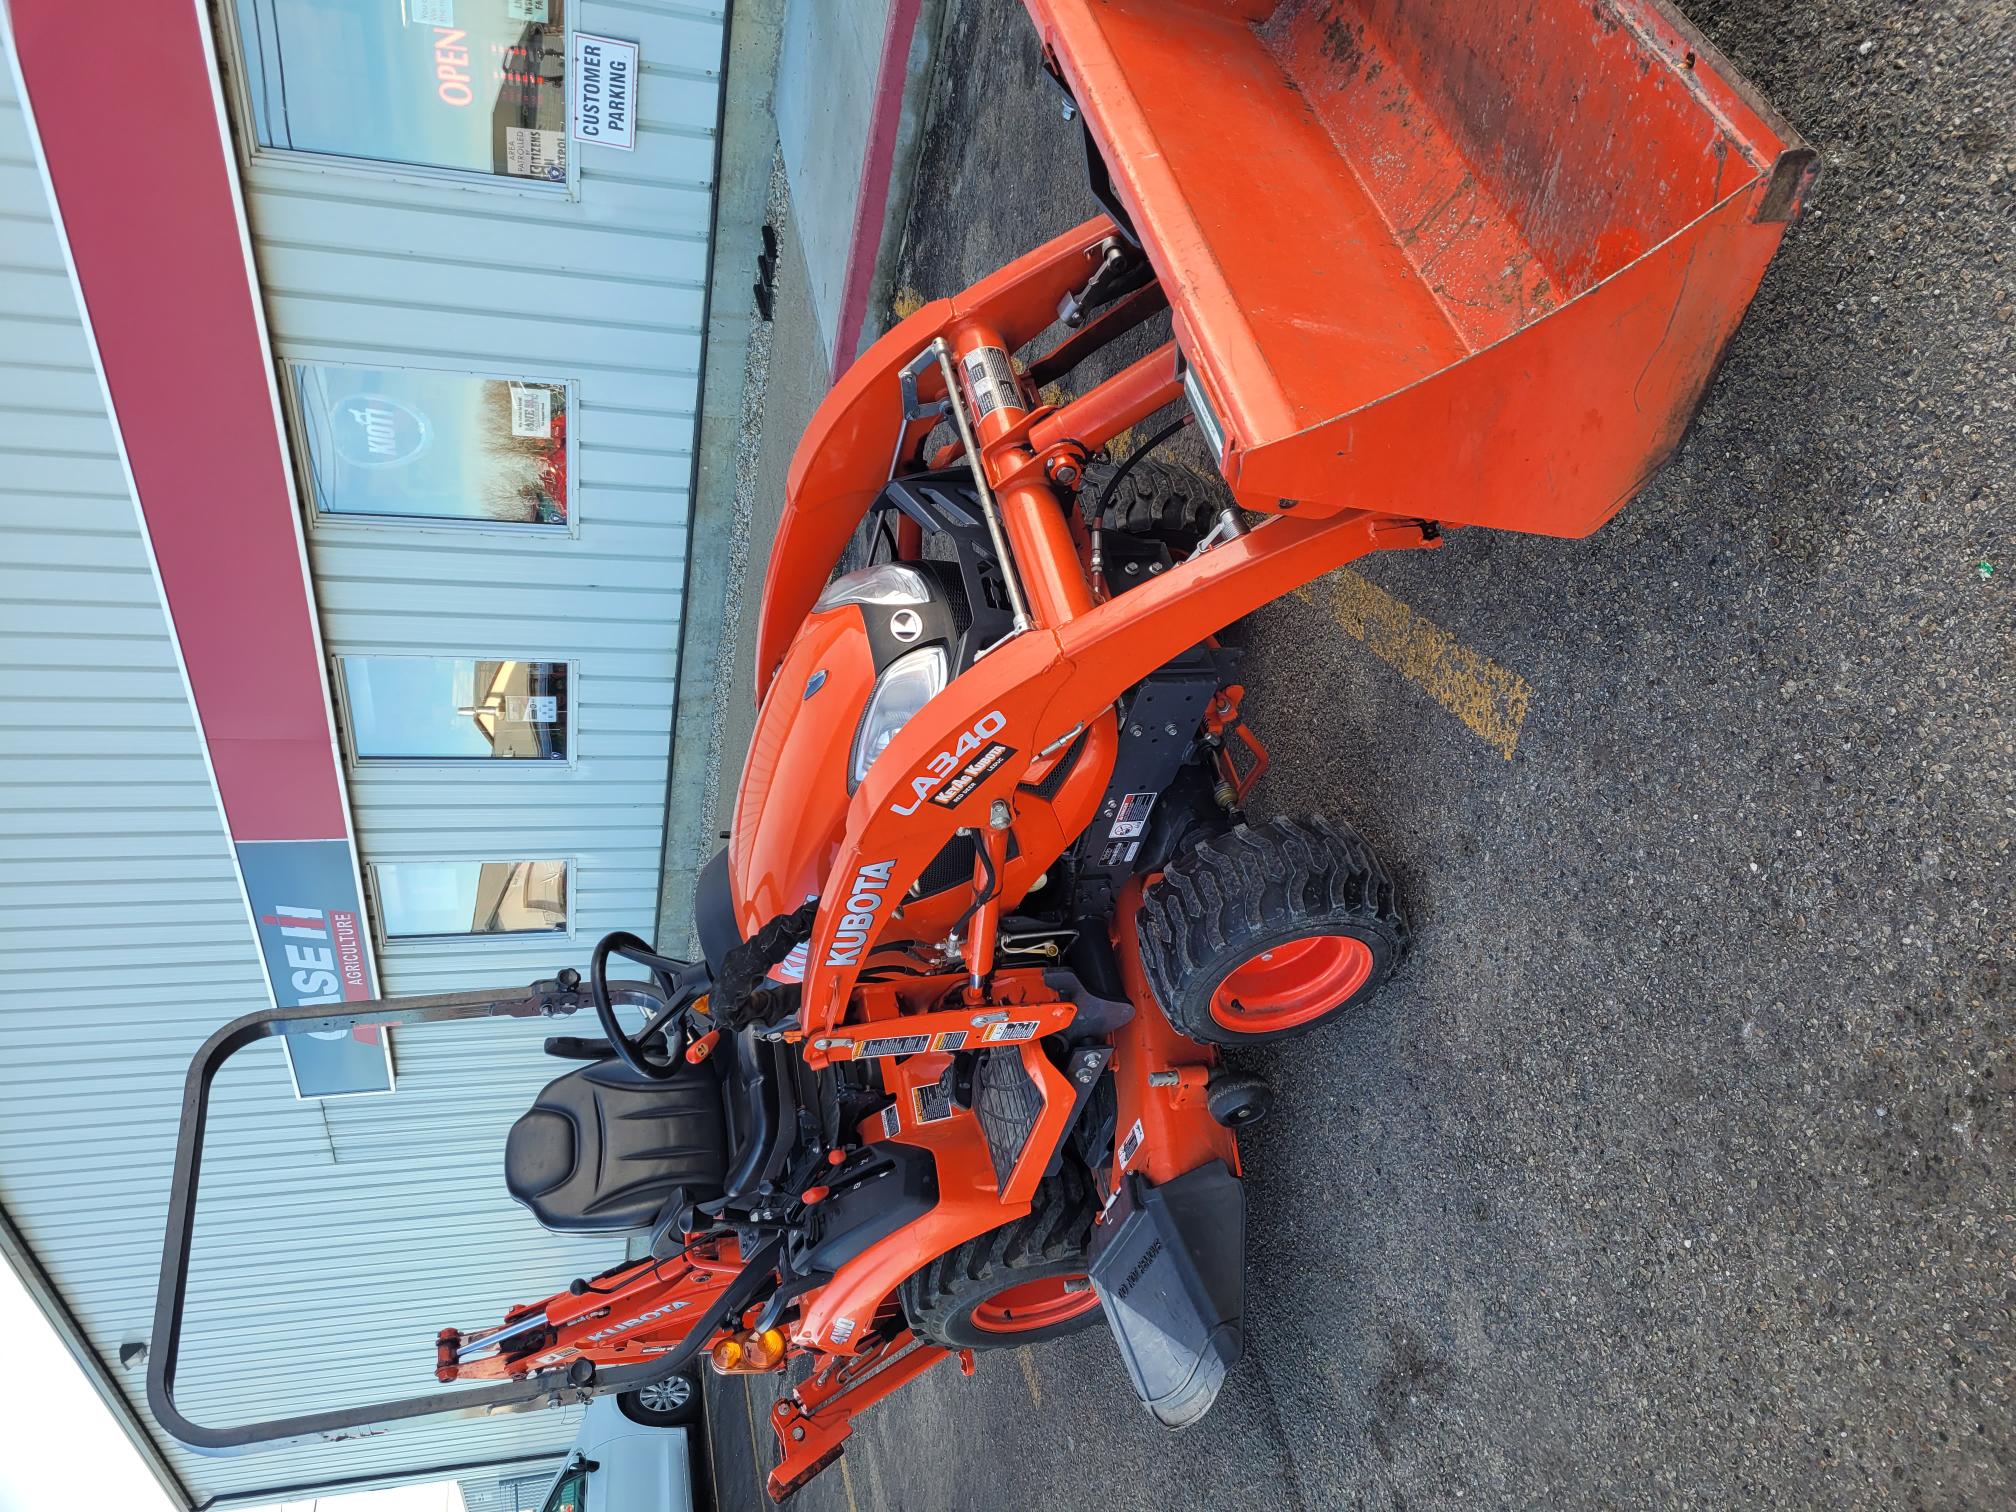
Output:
x=1029 y=695
x=859 y=430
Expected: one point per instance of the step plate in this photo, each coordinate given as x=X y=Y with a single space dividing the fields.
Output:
x=1007 y=1101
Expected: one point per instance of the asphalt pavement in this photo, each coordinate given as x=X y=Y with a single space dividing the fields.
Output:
x=1675 y=1169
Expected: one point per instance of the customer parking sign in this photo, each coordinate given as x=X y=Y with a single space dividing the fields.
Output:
x=603 y=86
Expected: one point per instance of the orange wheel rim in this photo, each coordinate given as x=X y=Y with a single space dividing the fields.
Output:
x=1034 y=1305
x=1289 y=984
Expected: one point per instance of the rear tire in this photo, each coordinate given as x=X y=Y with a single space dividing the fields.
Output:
x=1009 y=1287
x=1269 y=931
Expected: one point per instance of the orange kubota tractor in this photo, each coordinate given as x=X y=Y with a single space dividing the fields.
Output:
x=949 y=1077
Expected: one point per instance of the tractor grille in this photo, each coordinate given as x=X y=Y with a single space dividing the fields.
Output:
x=953 y=587
x=1007 y=1101
x=953 y=866
x=1054 y=778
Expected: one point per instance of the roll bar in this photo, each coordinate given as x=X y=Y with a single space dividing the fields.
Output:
x=547 y=999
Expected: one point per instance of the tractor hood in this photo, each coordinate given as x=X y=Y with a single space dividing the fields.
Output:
x=792 y=805
x=884 y=637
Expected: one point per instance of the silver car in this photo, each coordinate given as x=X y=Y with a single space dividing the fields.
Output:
x=634 y=1453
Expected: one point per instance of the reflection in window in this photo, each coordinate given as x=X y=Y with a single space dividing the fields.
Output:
x=476 y=85
x=437 y=446
x=419 y=899
x=570 y=1495
x=443 y=708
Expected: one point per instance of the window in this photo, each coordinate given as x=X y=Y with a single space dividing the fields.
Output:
x=571 y=1495
x=452 y=708
x=414 y=445
x=420 y=900
x=474 y=86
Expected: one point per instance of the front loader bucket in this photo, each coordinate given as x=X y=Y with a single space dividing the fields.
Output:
x=1467 y=260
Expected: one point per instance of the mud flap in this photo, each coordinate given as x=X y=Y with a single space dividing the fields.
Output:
x=1169 y=1264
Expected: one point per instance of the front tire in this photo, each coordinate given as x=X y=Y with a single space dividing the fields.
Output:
x=1023 y=1283
x=1158 y=500
x=1269 y=931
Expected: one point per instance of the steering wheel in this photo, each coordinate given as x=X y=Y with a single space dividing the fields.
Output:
x=672 y=988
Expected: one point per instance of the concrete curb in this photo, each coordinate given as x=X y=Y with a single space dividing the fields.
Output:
x=909 y=44
x=747 y=151
x=852 y=92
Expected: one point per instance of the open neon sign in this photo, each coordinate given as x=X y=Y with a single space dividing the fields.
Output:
x=451 y=66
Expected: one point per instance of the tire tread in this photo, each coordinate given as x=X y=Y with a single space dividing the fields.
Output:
x=1229 y=891
x=1161 y=500
x=1057 y=1228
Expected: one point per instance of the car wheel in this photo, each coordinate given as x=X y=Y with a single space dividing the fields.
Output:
x=662 y=1404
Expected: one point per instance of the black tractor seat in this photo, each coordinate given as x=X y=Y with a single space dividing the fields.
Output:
x=603 y=1150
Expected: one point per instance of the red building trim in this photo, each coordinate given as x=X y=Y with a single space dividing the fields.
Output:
x=871 y=205
x=133 y=139
x=130 y=123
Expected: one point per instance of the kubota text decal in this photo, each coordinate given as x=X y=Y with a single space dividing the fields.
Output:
x=863 y=901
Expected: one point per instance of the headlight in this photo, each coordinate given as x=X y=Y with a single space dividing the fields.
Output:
x=911 y=682
x=887 y=586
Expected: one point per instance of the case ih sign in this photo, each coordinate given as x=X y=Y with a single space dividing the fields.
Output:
x=313 y=939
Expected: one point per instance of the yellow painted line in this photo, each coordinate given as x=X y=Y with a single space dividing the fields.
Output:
x=847 y=1485
x=1490 y=699
x=1028 y=1363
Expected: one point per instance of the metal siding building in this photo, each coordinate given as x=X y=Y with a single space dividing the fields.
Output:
x=604 y=292
x=334 y=1238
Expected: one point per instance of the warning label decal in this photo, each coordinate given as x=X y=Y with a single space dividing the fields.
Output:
x=992 y=378
x=932 y=1104
x=1132 y=820
x=1013 y=1032
x=1131 y=1145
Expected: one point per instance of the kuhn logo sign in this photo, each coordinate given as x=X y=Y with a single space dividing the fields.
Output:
x=864 y=900
x=376 y=430
x=945 y=763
